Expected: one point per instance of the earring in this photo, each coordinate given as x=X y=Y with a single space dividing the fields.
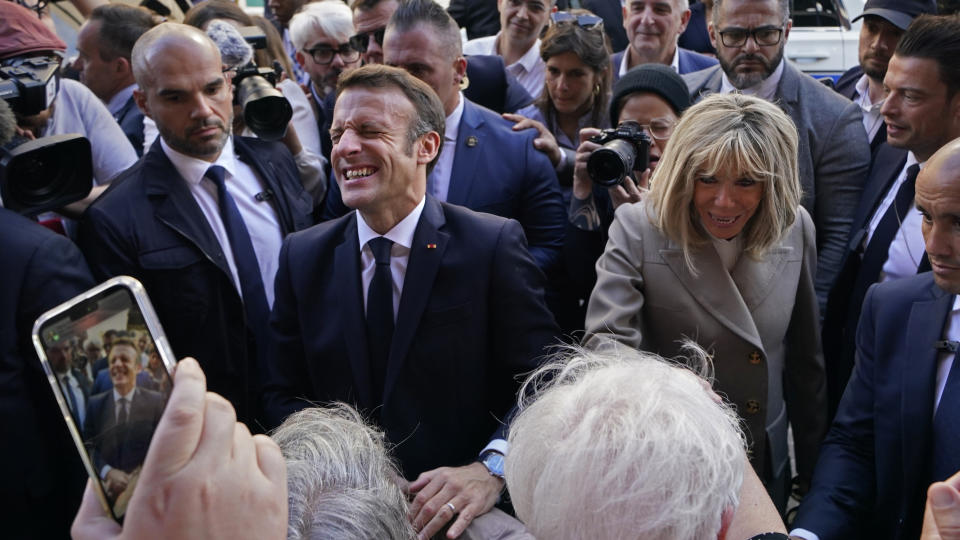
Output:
x=464 y=82
x=596 y=90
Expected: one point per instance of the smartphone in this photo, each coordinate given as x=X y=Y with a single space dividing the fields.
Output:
x=111 y=404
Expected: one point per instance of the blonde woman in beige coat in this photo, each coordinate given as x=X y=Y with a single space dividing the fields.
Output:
x=720 y=251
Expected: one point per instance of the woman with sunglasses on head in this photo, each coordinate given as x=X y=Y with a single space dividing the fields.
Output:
x=576 y=88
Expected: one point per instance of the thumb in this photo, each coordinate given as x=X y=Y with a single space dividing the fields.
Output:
x=944 y=502
x=92 y=521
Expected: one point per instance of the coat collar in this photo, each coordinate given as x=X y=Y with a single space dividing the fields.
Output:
x=469 y=149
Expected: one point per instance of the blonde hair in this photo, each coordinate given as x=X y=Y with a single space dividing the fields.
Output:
x=746 y=134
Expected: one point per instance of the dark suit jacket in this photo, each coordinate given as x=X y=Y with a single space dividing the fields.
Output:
x=843 y=305
x=846 y=86
x=471 y=319
x=689 y=62
x=479 y=17
x=833 y=155
x=492 y=87
x=43 y=477
x=498 y=171
x=130 y=119
x=870 y=480
x=123 y=446
x=148 y=225
x=611 y=12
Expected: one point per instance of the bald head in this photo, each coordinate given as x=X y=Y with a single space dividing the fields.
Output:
x=163 y=39
x=938 y=201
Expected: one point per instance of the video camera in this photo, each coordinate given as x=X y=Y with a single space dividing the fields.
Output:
x=47 y=173
x=624 y=149
x=265 y=110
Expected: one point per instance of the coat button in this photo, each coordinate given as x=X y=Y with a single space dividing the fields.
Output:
x=755 y=357
x=753 y=406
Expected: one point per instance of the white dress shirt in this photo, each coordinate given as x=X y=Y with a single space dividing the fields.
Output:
x=258 y=216
x=530 y=69
x=402 y=236
x=116 y=103
x=872 y=119
x=907 y=247
x=625 y=64
x=438 y=183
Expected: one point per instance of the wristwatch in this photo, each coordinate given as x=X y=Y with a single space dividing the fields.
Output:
x=493 y=461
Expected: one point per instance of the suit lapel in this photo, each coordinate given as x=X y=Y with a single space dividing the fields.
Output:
x=925 y=326
x=788 y=91
x=469 y=148
x=757 y=279
x=426 y=253
x=176 y=207
x=347 y=273
x=885 y=168
x=715 y=291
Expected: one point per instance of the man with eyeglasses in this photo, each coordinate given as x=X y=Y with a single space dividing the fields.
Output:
x=321 y=33
x=834 y=154
x=653 y=28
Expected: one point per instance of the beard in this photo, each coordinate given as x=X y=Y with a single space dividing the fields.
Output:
x=741 y=80
x=184 y=145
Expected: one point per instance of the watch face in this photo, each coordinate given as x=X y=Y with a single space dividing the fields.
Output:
x=494 y=463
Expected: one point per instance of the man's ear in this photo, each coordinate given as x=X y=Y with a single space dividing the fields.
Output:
x=684 y=20
x=427 y=147
x=140 y=98
x=786 y=29
x=300 y=58
x=122 y=67
x=712 y=32
x=460 y=66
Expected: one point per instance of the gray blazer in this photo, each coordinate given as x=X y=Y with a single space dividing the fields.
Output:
x=760 y=323
x=834 y=158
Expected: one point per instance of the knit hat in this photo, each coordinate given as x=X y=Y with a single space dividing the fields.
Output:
x=22 y=32
x=656 y=78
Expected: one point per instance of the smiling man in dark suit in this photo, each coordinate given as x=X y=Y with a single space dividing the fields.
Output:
x=420 y=313
x=200 y=218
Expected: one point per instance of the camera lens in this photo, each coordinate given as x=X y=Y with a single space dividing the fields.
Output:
x=265 y=110
x=609 y=164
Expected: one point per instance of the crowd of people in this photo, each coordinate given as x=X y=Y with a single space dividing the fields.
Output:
x=424 y=308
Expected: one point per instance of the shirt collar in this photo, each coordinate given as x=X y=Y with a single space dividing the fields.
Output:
x=401 y=233
x=766 y=89
x=625 y=61
x=528 y=60
x=193 y=169
x=452 y=122
x=117 y=102
x=863 y=94
x=128 y=396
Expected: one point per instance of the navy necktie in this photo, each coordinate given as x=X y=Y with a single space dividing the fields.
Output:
x=122 y=415
x=380 y=312
x=946 y=427
x=245 y=258
x=879 y=247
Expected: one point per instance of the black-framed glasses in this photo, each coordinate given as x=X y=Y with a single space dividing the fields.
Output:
x=660 y=128
x=764 y=36
x=323 y=54
x=583 y=21
x=361 y=41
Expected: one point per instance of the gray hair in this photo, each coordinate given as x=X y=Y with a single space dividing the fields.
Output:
x=622 y=444
x=340 y=478
x=332 y=19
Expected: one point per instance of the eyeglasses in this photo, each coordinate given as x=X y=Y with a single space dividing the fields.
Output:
x=660 y=128
x=360 y=42
x=323 y=54
x=763 y=36
x=583 y=21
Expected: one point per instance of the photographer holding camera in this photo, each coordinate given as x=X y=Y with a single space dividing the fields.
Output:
x=646 y=104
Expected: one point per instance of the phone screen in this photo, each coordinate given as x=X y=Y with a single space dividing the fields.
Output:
x=103 y=355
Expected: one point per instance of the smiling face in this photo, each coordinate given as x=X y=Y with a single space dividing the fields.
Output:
x=653 y=27
x=750 y=63
x=188 y=97
x=938 y=201
x=919 y=114
x=726 y=201
x=646 y=108
x=521 y=21
x=570 y=83
x=378 y=170
x=123 y=364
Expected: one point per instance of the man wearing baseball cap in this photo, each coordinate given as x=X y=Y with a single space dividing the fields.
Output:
x=884 y=21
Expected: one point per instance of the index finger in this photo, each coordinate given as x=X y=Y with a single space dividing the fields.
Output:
x=179 y=429
x=587 y=133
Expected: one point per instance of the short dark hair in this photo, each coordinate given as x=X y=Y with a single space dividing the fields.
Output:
x=121 y=26
x=936 y=37
x=416 y=12
x=202 y=13
x=364 y=5
x=428 y=110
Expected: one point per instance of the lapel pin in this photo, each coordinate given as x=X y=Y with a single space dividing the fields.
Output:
x=471 y=141
x=431 y=246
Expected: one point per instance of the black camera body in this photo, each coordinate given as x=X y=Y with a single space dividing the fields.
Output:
x=623 y=149
x=265 y=110
x=29 y=84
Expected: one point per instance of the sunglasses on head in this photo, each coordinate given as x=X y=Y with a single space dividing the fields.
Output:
x=583 y=21
x=360 y=42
